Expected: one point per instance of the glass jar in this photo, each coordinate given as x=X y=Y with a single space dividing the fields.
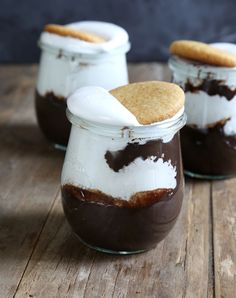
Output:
x=67 y=64
x=122 y=187
x=209 y=138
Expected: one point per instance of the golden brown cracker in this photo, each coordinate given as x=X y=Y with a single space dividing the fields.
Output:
x=151 y=101
x=202 y=52
x=71 y=32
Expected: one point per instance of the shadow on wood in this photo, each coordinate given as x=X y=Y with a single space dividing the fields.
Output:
x=27 y=139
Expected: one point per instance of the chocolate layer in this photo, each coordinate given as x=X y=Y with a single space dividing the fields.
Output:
x=117 y=160
x=211 y=87
x=138 y=200
x=208 y=151
x=105 y=222
x=51 y=115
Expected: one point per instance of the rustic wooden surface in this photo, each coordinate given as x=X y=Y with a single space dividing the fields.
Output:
x=39 y=257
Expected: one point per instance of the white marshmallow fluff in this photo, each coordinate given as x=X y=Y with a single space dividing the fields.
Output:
x=97 y=104
x=68 y=63
x=114 y=36
x=202 y=109
x=85 y=166
x=85 y=163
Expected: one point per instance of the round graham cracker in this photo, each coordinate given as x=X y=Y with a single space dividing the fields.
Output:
x=70 y=32
x=151 y=101
x=202 y=52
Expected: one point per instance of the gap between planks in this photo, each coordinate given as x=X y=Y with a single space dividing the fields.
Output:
x=139 y=72
x=37 y=239
x=62 y=267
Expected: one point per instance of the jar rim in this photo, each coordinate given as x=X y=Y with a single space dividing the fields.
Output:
x=123 y=49
x=196 y=68
x=155 y=130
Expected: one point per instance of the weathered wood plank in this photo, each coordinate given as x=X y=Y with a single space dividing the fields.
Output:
x=40 y=257
x=224 y=227
x=15 y=83
x=178 y=267
x=148 y=72
x=29 y=176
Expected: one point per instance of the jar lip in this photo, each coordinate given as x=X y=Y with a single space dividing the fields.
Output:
x=185 y=65
x=159 y=129
x=123 y=49
x=115 y=37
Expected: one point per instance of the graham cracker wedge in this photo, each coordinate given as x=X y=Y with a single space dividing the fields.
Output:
x=71 y=32
x=151 y=101
x=202 y=52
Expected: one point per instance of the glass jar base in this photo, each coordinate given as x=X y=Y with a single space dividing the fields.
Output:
x=59 y=147
x=108 y=251
x=206 y=177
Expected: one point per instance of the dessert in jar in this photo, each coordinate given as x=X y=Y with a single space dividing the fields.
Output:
x=122 y=178
x=207 y=73
x=75 y=55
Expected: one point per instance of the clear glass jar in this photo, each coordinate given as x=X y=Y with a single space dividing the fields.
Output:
x=122 y=187
x=209 y=138
x=64 y=67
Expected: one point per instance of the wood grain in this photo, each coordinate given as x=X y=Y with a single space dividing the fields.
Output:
x=148 y=72
x=178 y=267
x=29 y=176
x=224 y=223
x=39 y=255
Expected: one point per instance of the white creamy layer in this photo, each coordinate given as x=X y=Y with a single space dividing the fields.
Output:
x=114 y=35
x=62 y=74
x=203 y=110
x=228 y=47
x=85 y=166
x=97 y=104
x=230 y=127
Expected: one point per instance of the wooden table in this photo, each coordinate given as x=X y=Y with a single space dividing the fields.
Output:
x=39 y=257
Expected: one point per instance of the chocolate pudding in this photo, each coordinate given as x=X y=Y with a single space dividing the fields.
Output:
x=51 y=115
x=130 y=225
x=211 y=87
x=208 y=151
x=125 y=227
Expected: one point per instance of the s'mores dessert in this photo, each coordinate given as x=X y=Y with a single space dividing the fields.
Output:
x=207 y=74
x=123 y=165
